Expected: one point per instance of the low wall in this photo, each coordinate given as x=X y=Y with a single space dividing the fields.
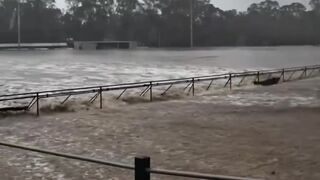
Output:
x=93 y=45
x=33 y=45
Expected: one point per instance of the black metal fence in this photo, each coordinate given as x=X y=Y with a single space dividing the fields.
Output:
x=142 y=165
x=285 y=74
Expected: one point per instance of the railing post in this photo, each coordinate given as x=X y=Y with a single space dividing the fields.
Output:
x=192 y=86
x=305 y=71
x=142 y=165
x=151 y=97
x=230 y=79
x=258 y=76
x=38 y=105
x=101 y=100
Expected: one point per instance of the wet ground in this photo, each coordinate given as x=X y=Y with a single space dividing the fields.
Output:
x=265 y=132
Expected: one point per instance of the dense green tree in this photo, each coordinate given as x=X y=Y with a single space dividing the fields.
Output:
x=89 y=19
x=294 y=9
x=315 y=5
x=40 y=21
x=162 y=22
x=267 y=7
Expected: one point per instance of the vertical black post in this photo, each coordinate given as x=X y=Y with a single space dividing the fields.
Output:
x=192 y=86
x=283 y=77
x=38 y=108
x=141 y=167
x=230 y=79
x=101 y=100
x=151 y=98
x=258 y=76
x=305 y=71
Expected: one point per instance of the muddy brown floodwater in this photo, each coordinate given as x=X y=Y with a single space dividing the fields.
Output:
x=264 y=132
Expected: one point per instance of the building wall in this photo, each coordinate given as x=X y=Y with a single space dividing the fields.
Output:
x=87 y=45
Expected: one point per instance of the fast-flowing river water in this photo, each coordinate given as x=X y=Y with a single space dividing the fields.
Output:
x=24 y=71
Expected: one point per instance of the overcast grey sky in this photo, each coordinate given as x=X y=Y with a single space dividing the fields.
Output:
x=225 y=4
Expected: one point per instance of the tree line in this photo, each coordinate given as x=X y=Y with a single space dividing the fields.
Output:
x=162 y=23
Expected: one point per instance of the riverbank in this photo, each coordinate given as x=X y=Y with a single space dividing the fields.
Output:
x=267 y=132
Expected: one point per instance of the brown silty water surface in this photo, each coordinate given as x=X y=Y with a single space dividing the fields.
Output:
x=265 y=132
x=24 y=71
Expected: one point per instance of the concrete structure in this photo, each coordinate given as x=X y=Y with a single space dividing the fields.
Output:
x=33 y=45
x=91 y=45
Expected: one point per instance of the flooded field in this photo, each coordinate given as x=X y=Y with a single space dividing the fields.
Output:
x=26 y=71
x=264 y=132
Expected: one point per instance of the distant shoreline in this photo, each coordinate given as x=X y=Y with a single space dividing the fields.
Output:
x=52 y=46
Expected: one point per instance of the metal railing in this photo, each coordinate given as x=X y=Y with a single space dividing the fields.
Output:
x=141 y=165
x=285 y=74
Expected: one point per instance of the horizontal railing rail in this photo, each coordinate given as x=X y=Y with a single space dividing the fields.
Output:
x=69 y=156
x=141 y=168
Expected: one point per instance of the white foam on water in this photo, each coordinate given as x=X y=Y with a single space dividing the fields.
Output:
x=262 y=99
x=46 y=70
